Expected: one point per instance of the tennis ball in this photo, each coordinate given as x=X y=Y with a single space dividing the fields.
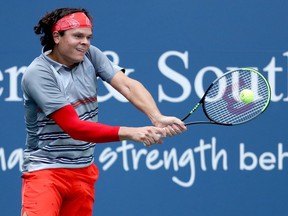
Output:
x=247 y=96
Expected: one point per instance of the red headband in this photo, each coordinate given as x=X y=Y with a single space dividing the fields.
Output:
x=75 y=20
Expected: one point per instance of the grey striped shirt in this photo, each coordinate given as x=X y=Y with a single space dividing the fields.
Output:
x=48 y=86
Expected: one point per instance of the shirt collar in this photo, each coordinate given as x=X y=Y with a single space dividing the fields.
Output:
x=55 y=64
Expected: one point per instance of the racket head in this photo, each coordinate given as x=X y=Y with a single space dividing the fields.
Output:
x=222 y=103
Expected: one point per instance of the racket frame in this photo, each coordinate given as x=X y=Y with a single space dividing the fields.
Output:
x=211 y=121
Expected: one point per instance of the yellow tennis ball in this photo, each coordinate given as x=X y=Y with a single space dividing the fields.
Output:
x=247 y=96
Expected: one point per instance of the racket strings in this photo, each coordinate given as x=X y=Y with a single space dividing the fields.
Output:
x=222 y=102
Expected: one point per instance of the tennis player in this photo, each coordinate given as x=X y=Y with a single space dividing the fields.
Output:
x=61 y=110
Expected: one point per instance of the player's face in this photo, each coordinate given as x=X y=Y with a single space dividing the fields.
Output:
x=72 y=46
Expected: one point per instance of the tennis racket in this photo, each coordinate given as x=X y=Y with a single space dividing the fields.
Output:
x=222 y=103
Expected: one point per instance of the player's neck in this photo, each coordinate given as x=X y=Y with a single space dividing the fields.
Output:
x=56 y=57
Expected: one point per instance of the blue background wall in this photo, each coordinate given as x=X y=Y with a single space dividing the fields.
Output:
x=218 y=170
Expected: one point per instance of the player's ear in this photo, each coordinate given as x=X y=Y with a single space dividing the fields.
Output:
x=56 y=37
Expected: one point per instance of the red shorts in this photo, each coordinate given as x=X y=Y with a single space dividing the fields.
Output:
x=59 y=192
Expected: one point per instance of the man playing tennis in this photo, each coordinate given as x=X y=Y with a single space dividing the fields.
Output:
x=61 y=111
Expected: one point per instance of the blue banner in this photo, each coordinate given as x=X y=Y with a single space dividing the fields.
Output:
x=175 y=48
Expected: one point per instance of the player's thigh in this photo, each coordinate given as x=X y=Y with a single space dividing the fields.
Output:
x=80 y=203
x=40 y=196
x=82 y=192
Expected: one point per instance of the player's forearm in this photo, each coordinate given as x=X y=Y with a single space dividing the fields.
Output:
x=68 y=120
x=143 y=100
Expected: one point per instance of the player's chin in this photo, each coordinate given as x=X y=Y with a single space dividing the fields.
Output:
x=78 y=59
x=79 y=56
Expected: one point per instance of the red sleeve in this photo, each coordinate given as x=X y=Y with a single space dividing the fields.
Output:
x=68 y=120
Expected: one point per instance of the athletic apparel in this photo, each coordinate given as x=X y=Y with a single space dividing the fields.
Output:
x=71 y=21
x=48 y=86
x=59 y=192
x=68 y=120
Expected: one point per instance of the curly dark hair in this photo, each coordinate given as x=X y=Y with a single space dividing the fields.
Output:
x=45 y=24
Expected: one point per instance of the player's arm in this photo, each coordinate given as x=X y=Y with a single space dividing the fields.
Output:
x=67 y=118
x=139 y=96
